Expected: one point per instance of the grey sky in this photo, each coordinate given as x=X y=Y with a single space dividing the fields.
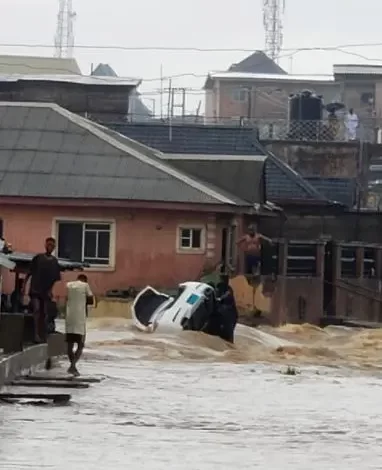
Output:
x=195 y=23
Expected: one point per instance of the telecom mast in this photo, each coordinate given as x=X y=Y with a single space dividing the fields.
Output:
x=64 y=40
x=273 y=11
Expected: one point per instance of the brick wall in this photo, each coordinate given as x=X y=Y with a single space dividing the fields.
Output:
x=267 y=100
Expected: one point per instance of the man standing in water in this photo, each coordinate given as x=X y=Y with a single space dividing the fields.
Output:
x=250 y=243
x=79 y=296
x=227 y=307
x=44 y=273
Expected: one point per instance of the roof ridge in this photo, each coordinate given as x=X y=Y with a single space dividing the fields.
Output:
x=156 y=162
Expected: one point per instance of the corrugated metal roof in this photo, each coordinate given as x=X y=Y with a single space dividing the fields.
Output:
x=78 y=79
x=354 y=69
x=25 y=65
x=48 y=152
x=270 y=77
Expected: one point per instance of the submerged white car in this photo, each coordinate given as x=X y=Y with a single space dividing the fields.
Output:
x=188 y=310
x=195 y=307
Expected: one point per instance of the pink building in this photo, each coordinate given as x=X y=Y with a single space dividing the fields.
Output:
x=109 y=201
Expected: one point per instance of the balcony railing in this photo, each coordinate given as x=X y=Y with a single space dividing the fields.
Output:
x=330 y=130
x=324 y=130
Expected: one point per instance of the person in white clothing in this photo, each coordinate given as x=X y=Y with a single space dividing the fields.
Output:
x=351 y=124
x=79 y=296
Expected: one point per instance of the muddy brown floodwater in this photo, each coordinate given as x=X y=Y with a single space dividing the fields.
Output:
x=189 y=401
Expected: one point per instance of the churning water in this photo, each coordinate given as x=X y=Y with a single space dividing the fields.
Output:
x=189 y=401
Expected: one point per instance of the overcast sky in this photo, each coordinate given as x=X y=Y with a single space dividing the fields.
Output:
x=195 y=23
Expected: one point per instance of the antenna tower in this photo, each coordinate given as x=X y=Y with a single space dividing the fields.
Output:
x=64 y=39
x=273 y=12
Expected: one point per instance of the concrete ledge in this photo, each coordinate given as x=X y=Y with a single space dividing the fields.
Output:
x=111 y=307
x=20 y=363
x=13 y=365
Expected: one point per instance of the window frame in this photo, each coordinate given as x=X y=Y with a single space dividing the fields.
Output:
x=110 y=266
x=237 y=94
x=203 y=237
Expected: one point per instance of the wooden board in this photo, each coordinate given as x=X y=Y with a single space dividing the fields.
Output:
x=56 y=397
x=68 y=378
x=48 y=383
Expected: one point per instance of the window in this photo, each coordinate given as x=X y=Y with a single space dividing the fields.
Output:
x=240 y=94
x=191 y=238
x=367 y=98
x=88 y=242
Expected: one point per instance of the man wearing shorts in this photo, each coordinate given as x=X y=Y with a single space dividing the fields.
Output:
x=79 y=296
x=250 y=243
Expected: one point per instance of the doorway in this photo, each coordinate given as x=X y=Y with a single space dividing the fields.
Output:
x=329 y=267
x=228 y=250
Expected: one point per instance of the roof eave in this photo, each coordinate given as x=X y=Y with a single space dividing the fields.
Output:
x=208 y=84
x=279 y=79
x=118 y=203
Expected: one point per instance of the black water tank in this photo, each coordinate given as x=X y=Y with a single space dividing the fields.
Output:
x=305 y=106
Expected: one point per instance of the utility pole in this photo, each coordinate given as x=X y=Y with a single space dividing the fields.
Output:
x=161 y=92
x=64 y=39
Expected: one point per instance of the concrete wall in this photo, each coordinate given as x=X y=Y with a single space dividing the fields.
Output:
x=144 y=246
x=325 y=159
x=355 y=95
x=109 y=307
x=102 y=102
x=332 y=159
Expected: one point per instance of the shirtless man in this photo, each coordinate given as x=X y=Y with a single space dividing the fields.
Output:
x=250 y=243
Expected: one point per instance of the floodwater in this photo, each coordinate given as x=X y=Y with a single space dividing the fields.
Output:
x=189 y=401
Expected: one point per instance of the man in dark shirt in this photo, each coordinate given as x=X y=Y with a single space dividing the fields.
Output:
x=227 y=307
x=44 y=273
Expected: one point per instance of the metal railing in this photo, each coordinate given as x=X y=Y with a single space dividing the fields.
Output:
x=324 y=130
x=274 y=128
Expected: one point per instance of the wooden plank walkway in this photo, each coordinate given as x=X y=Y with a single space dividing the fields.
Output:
x=68 y=378
x=55 y=397
x=47 y=384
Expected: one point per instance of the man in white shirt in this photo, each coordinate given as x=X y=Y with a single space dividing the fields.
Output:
x=351 y=123
x=79 y=296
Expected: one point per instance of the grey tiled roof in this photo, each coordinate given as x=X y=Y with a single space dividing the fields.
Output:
x=258 y=62
x=336 y=189
x=48 y=152
x=242 y=176
x=104 y=70
x=210 y=140
x=279 y=186
x=282 y=182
